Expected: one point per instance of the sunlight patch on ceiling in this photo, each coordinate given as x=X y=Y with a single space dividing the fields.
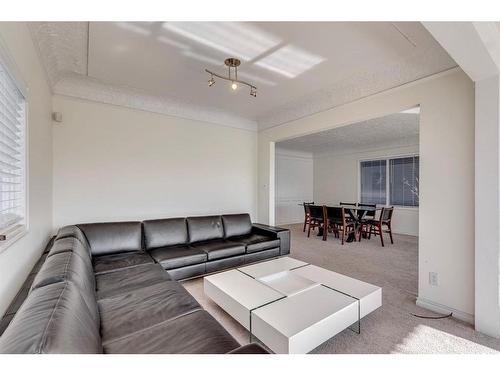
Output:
x=170 y=42
x=289 y=61
x=199 y=57
x=256 y=78
x=235 y=39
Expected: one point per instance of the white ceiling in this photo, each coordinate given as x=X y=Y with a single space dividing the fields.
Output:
x=299 y=67
x=396 y=130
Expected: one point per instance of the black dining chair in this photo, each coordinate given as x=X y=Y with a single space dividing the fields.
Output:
x=316 y=218
x=306 y=214
x=338 y=221
x=364 y=216
x=348 y=204
x=376 y=226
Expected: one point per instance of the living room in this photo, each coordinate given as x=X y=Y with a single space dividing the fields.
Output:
x=196 y=186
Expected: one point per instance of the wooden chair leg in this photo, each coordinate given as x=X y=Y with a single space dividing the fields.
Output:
x=309 y=230
x=325 y=232
x=390 y=233
x=381 y=235
x=305 y=222
x=343 y=234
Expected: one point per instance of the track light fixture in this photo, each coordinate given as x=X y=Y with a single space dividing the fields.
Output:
x=232 y=64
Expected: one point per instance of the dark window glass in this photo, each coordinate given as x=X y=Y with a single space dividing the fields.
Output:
x=373 y=181
x=404 y=175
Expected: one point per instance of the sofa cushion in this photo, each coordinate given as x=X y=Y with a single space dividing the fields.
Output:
x=165 y=232
x=69 y=267
x=53 y=319
x=178 y=256
x=262 y=255
x=126 y=280
x=220 y=249
x=257 y=242
x=113 y=262
x=236 y=225
x=194 y=333
x=187 y=272
x=204 y=228
x=74 y=232
x=143 y=308
x=224 y=263
x=108 y=238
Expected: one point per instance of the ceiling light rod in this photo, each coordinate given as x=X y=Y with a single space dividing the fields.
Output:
x=232 y=63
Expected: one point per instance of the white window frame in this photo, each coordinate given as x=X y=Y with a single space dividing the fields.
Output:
x=387 y=179
x=16 y=232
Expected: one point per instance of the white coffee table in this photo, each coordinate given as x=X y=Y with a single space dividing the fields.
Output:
x=292 y=306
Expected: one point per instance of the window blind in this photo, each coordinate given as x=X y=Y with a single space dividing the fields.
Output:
x=12 y=159
x=373 y=181
x=404 y=174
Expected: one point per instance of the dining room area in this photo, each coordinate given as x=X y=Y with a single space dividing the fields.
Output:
x=354 y=183
x=349 y=222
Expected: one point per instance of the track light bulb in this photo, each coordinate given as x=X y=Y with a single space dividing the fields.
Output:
x=234 y=85
x=253 y=92
x=211 y=81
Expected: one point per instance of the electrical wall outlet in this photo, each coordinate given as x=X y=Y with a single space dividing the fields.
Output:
x=433 y=278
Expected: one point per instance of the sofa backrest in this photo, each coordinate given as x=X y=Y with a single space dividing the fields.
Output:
x=204 y=228
x=69 y=267
x=236 y=225
x=53 y=319
x=165 y=232
x=117 y=237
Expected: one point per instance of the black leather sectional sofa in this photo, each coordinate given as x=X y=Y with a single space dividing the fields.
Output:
x=111 y=287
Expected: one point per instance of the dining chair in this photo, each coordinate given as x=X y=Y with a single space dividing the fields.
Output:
x=365 y=217
x=347 y=204
x=306 y=214
x=316 y=218
x=338 y=221
x=376 y=226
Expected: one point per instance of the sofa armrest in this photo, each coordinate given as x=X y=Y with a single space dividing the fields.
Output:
x=252 y=348
x=269 y=228
x=282 y=234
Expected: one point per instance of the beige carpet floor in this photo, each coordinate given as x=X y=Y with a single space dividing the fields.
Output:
x=390 y=329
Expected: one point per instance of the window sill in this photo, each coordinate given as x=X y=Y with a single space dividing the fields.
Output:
x=13 y=237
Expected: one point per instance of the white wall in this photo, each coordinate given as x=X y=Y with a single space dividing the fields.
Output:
x=294 y=185
x=116 y=163
x=446 y=213
x=17 y=260
x=476 y=46
x=336 y=179
x=487 y=190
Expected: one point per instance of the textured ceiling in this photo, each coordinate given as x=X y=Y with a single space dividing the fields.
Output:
x=299 y=68
x=396 y=130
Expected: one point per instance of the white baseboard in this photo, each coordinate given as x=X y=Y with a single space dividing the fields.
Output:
x=297 y=222
x=442 y=309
